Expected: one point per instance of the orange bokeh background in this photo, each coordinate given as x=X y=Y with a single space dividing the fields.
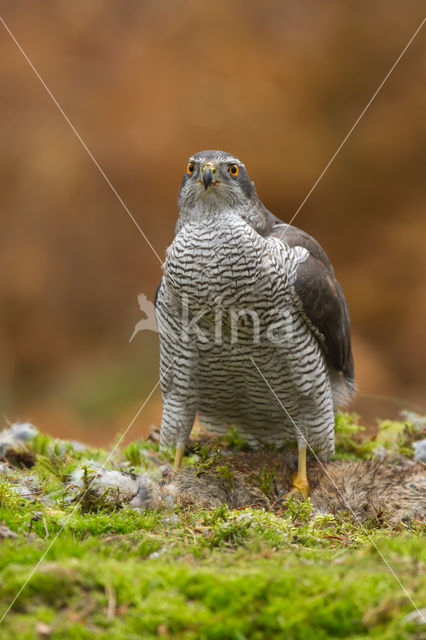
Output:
x=145 y=85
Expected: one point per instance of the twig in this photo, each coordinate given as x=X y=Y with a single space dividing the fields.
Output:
x=246 y=506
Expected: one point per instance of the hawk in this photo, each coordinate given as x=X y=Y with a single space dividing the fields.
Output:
x=254 y=328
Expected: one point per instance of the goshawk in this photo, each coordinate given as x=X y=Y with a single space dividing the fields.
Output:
x=254 y=327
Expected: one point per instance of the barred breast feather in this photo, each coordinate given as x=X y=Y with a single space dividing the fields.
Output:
x=236 y=344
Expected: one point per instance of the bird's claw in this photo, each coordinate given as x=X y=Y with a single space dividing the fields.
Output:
x=300 y=485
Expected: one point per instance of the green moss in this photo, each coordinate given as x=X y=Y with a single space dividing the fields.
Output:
x=267 y=480
x=117 y=573
x=209 y=456
x=396 y=437
x=135 y=452
x=347 y=432
x=225 y=472
x=393 y=438
x=244 y=597
x=233 y=440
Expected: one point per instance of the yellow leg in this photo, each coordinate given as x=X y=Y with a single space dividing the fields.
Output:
x=178 y=459
x=300 y=479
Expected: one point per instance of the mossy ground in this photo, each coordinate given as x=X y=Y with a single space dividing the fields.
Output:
x=190 y=573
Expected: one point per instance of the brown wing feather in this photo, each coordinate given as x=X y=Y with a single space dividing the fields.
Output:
x=322 y=298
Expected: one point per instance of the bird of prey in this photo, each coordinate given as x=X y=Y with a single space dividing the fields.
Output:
x=254 y=328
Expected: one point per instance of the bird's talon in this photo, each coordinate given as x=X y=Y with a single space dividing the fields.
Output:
x=300 y=485
x=300 y=479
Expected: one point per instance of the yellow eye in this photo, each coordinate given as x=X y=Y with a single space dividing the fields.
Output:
x=190 y=168
x=234 y=170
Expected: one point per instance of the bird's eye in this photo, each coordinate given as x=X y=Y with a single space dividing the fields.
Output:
x=190 y=168
x=234 y=170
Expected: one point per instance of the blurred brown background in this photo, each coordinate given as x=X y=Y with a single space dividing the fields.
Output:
x=146 y=84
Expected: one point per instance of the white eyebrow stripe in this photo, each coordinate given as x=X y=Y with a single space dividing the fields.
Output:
x=234 y=161
x=221 y=160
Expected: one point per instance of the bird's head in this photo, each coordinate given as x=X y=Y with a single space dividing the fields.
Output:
x=215 y=180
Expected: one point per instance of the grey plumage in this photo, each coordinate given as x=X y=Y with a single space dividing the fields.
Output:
x=241 y=286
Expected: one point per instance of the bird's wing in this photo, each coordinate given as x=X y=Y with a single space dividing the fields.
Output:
x=322 y=299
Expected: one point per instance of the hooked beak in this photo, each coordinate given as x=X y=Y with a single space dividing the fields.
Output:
x=208 y=174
